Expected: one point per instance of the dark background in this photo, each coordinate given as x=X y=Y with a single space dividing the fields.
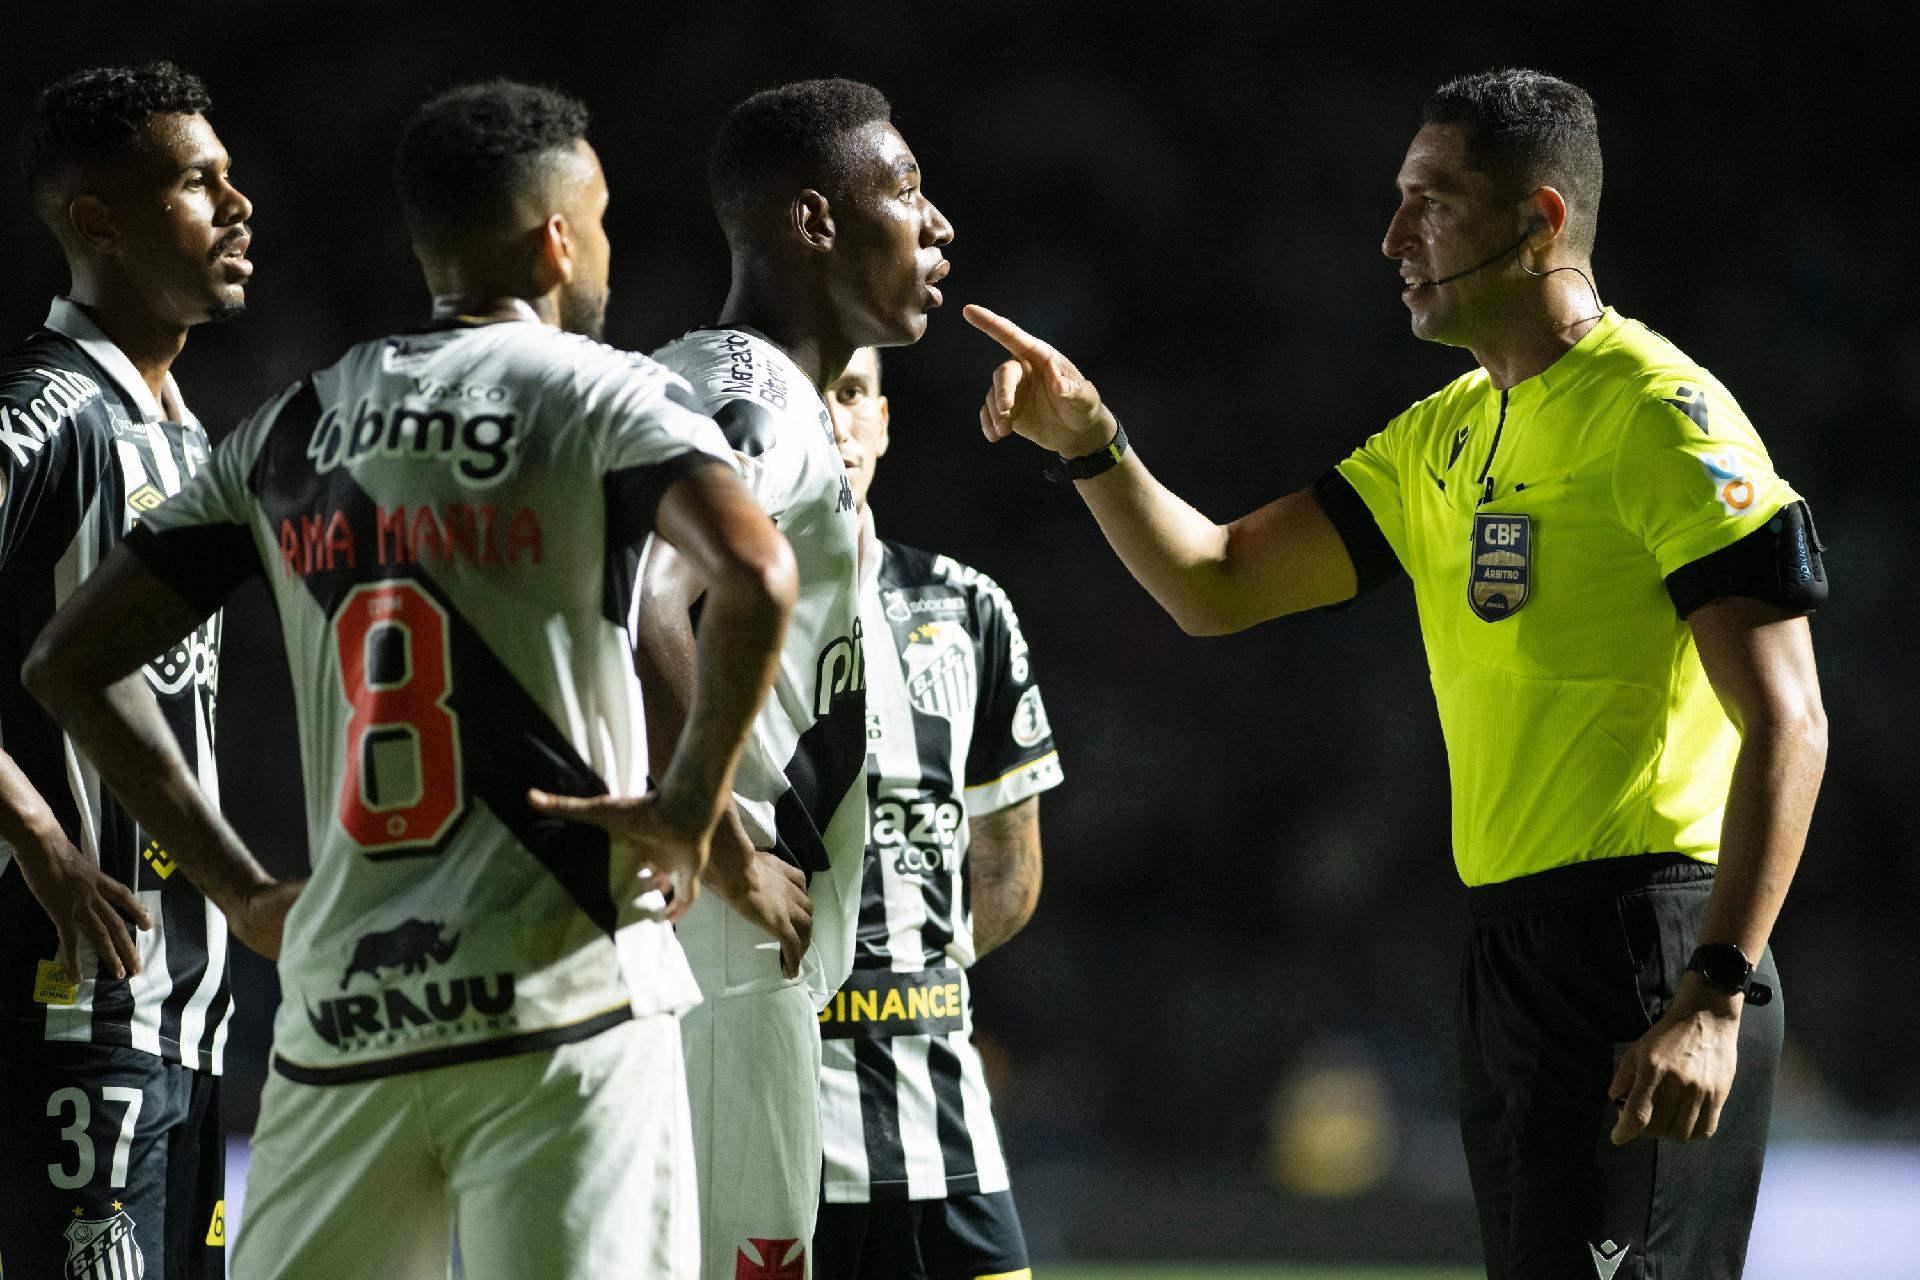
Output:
x=1234 y=1003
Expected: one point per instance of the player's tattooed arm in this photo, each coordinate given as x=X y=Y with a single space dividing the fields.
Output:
x=80 y=898
x=1211 y=578
x=1003 y=857
x=85 y=669
x=702 y=695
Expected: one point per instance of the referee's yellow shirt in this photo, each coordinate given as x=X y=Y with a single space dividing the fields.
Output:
x=1538 y=526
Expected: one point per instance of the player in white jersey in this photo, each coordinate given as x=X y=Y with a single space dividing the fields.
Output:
x=114 y=1002
x=834 y=247
x=479 y=1026
x=959 y=750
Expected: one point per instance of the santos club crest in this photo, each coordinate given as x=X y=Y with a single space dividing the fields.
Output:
x=1502 y=570
x=103 y=1249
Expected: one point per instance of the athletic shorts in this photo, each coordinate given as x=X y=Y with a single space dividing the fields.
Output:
x=966 y=1237
x=111 y=1164
x=753 y=1081
x=1565 y=970
x=569 y=1162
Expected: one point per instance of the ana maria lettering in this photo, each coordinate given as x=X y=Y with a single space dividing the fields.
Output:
x=481 y=535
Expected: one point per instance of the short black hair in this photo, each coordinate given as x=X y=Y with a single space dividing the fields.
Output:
x=783 y=141
x=97 y=117
x=1527 y=129
x=467 y=152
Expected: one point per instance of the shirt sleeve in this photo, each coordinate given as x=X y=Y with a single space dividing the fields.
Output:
x=653 y=433
x=200 y=542
x=1371 y=475
x=1012 y=755
x=45 y=470
x=771 y=461
x=1690 y=475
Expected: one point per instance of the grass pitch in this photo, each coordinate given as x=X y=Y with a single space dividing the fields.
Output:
x=1135 y=1271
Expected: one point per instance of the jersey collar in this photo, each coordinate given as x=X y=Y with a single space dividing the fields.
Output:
x=65 y=317
x=1573 y=361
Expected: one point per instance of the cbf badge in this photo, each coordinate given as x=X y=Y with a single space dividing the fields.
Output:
x=1502 y=564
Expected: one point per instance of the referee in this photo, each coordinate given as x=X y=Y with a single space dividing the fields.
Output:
x=1613 y=587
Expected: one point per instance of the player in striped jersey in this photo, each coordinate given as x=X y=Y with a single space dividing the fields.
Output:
x=958 y=752
x=111 y=1036
x=480 y=1021
x=834 y=247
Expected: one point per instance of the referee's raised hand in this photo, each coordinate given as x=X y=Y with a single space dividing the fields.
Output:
x=1039 y=393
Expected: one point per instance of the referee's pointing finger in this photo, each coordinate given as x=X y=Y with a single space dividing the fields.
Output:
x=1007 y=333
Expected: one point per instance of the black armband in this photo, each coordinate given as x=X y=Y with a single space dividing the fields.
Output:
x=1374 y=562
x=203 y=564
x=1778 y=563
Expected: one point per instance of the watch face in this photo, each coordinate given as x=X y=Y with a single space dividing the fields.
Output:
x=1724 y=966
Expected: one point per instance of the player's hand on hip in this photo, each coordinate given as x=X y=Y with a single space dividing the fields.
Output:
x=769 y=892
x=1673 y=1081
x=85 y=902
x=665 y=857
x=1039 y=393
x=258 y=917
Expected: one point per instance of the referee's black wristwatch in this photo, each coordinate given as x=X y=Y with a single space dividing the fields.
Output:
x=1725 y=967
x=1089 y=465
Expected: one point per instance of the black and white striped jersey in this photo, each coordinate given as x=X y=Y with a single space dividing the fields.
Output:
x=450 y=522
x=798 y=787
x=86 y=451
x=955 y=729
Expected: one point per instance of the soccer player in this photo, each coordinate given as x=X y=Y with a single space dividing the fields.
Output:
x=834 y=247
x=1613 y=587
x=958 y=752
x=479 y=1028
x=114 y=1002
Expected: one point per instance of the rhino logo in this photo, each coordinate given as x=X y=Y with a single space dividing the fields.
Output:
x=408 y=948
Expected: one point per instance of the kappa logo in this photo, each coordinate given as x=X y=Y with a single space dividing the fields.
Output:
x=408 y=947
x=772 y=1262
x=1607 y=1257
x=103 y=1248
x=1731 y=485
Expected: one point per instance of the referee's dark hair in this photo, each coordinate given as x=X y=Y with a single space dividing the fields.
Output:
x=467 y=153
x=783 y=141
x=1527 y=129
x=96 y=118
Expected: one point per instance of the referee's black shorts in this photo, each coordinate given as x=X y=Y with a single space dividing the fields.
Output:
x=1563 y=971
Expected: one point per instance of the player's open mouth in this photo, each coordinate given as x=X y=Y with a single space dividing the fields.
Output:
x=233 y=255
x=934 y=277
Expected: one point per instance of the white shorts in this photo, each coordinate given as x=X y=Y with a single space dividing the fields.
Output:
x=753 y=1080
x=573 y=1163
